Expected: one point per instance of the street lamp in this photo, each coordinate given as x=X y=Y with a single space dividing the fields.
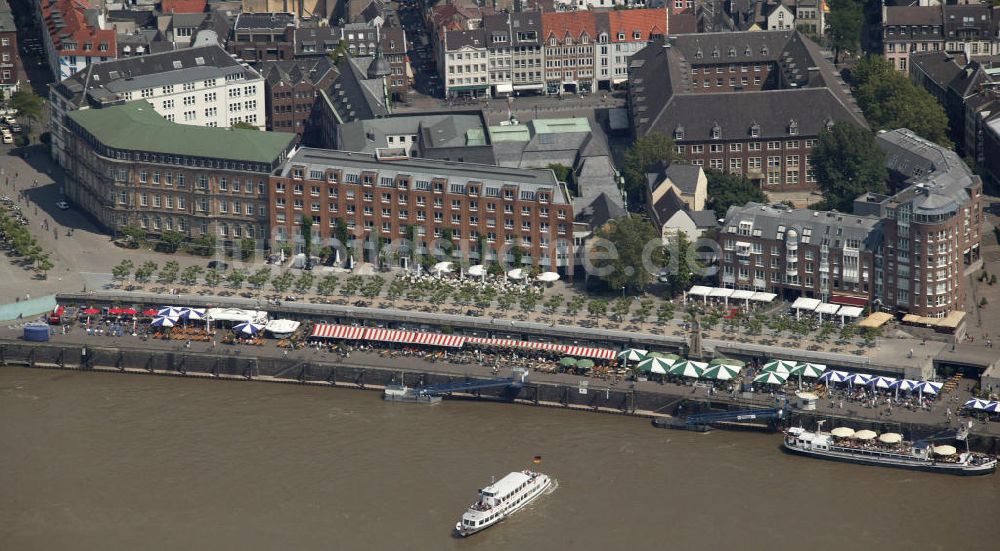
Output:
x=623 y=291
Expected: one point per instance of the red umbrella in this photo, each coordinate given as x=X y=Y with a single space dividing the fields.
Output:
x=150 y=312
x=91 y=311
x=129 y=311
x=115 y=311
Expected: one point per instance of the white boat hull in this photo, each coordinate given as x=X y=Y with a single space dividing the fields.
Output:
x=544 y=484
x=896 y=462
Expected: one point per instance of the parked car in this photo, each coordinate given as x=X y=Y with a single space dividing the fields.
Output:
x=7 y=138
x=217 y=265
x=62 y=205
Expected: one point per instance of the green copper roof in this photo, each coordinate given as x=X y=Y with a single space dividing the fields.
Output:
x=510 y=133
x=136 y=126
x=558 y=126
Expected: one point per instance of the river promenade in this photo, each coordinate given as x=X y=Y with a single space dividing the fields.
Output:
x=311 y=365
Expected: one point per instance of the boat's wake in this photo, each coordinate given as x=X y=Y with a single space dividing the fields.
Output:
x=552 y=486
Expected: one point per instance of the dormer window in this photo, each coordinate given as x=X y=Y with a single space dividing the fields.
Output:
x=732 y=52
x=621 y=36
x=755 y=130
x=829 y=124
x=569 y=40
x=793 y=127
x=764 y=51
x=603 y=39
x=747 y=52
x=585 y=39
x=636 y=35
x=553 y=41
x=715 y=52
x=679 y=132
x=716 y=131
x=698 y=53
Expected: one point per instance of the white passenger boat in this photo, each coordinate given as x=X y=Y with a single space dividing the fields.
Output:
x=501 y=499
x=865 y=447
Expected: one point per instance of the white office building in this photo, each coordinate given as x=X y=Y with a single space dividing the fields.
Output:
x=201 y=86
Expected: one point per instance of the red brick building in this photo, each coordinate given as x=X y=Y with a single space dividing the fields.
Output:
x=750 y=103
x=10 y=60
x=291 y=89
x=390 y=200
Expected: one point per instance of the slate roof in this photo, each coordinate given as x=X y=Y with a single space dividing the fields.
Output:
x=352 y=95
x=264 y=21
x=136 y=126
x=366 y=135
x=599 y=211
x=312 y=70
x=938 y=179
x=684 y=177
x=912 y=15
x=105 y=81
x=664 y=101
x=968 y=17
x=767 y=220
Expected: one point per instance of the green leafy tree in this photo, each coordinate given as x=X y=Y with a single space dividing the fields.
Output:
x=844 y=25
x=565 y=174
x=172 y=239
x=146 y=271
x=506 y=300
x=28 y=104
x=528 y=301
x=248 y=246
x=848 y=332
x=665 y=312
x=44 y=265
x=236 y=278
x=847 y=163
x=305 y=282
x=259 y=278
x=621 y=307
x=190 y=275
x=575 y=304
x=646 y=152
x=373 y=288
x=168 y=274
x=726 y=190
x=283 y=282
x=135 y=233
x=213 y=277
x=306 y=225
x=122 y=270
x=626 y=268
x=597 y=308
x=553 y=303
x=327 y=285
x=243 y=125
x=680 y=264
x=204 y=244
x=890 y=100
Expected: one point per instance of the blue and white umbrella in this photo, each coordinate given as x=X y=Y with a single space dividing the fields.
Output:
x=904 y=384
x=834 y=376
x=882 y=382
x=192 y=314
x=169 y=312
x=859 y=378
x=992 y=407
x=248 y=328
x=928 y=387
x=163 y=321
x=976 y=403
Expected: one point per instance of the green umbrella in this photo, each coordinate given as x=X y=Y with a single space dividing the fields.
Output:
x=673 y=357
x=632 y=354
x=771 y=378
x=721 y=372
x=810 y=370
x=688 y=368
x=584 y=364
x=655 y=365
x=779 y=366
x=654 y=354
x=568 y=362
x=726 y=361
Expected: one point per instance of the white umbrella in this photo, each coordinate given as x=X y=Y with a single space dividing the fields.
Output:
x=248 y=328
x=632 y=354
x=169 y=311
x=945 y=450
x=842 y=432
x=834 y=376
x=976 y=403
x=516 y=273
x=784 y=367
x=548 y=277
x=163 y=321
x=771 y=378
x=865 y=435
x=928 y=387
x=655 y=365
x=443 y=268
x=477 y=271
x=882 y=382
x=890 y=438
x=859 y=378
x=192 y=314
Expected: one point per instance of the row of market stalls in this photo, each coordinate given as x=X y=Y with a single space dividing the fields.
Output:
x=725 y=295
x=399 y=336
x=816 y=306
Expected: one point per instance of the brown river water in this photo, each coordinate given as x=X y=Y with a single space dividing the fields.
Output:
x=108 y=461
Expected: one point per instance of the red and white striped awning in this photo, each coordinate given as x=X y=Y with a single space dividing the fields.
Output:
x=390 y=335
x=587 y=352
x=437 y=339
x=332 y=331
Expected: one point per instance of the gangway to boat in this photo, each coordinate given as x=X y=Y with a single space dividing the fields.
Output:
x=468 y=384
x=736 y=416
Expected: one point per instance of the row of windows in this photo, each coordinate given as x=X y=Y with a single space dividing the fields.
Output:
x=736 y=147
